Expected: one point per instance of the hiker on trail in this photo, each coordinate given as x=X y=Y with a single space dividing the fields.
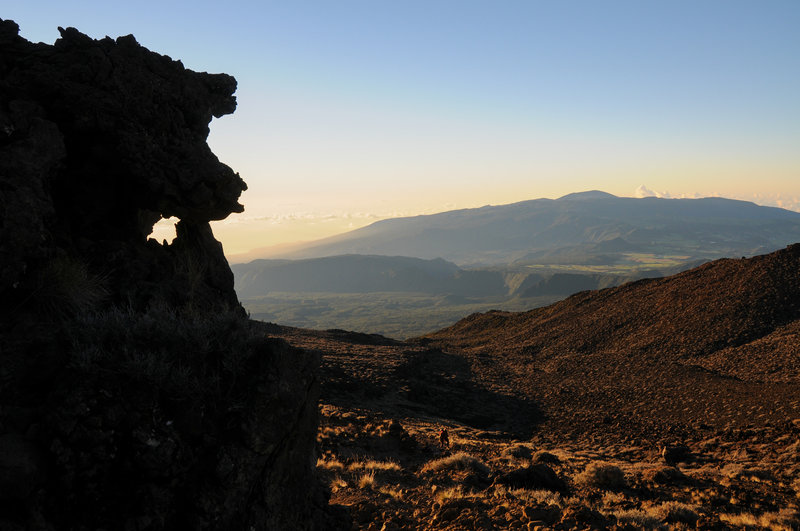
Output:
x=444 y=438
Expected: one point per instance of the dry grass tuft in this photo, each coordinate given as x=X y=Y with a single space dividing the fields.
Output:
x=338 y=484
x=531 y=497
x=613 y=498
x=785 y=520
x=367 y=480
x=392 y=492
x=333 y=465
x=457 y=461
x=384 y=466
x=602 y=476
x=676 y=512
x=454 y=493
x=737 y=472
x=637 y=518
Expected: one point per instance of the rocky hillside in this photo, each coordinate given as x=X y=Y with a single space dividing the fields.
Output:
x=134 y=393
x=713 y=346
x=661 y=404
x=721 y=310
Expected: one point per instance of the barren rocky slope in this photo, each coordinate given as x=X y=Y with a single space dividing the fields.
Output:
x=593 y=388
x=713 y=345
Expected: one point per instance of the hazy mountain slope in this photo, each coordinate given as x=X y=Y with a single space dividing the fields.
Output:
x=364 y=274
x=600 y=222
x=370 y=274
x=724 y=308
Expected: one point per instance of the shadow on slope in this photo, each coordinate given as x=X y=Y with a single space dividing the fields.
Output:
x=399 y=379
x=445 y=385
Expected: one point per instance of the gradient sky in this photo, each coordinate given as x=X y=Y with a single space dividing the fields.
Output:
x=353 y=111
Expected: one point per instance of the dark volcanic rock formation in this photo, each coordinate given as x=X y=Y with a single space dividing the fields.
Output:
x=99 y=139
x=134 y=393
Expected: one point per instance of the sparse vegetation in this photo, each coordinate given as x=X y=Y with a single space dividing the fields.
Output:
x=784 y=520
x=734 y=460
x=457 y=461
x=333 y=465
x=676 y=512
x=65 y=287
x=453 y=493
x=446 y=492
x=638 y=518
x=366 y=480
x=185 y=353
x=372 y=464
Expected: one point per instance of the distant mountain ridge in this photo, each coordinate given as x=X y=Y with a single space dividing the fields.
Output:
x=576 y=224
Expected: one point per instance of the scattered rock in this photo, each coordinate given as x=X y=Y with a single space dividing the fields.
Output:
x=546 y=458
x=517 y=451
x=539 y=476
x=663 y=475
x=673 y=454
x=584 y=515
x=549 y=515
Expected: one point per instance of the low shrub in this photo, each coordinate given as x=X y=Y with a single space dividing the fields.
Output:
x=784 y=520
x=675 y=512
x=602 y=476
x=637 y=518
x=516 y=451
x=457 y=461
x=187 y=354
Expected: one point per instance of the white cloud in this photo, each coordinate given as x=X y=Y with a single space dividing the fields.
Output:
x=644 y=191
x=779 y=200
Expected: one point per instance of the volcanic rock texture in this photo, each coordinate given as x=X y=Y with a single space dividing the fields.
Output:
x=134 y=393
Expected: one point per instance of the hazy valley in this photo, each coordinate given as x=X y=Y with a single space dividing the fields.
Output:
x=511 y=257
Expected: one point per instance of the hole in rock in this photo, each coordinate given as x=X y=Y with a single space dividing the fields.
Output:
x=164 y=230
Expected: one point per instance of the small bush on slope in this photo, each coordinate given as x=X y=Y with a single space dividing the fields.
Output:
x=602 y=476
x=457 y=461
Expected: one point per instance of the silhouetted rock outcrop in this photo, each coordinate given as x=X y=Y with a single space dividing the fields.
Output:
x=100 y=139
x=134 y=392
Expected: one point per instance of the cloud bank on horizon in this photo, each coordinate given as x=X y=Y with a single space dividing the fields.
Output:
x=775 y=200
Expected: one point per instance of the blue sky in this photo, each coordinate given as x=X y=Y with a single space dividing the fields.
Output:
x=351 y=111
